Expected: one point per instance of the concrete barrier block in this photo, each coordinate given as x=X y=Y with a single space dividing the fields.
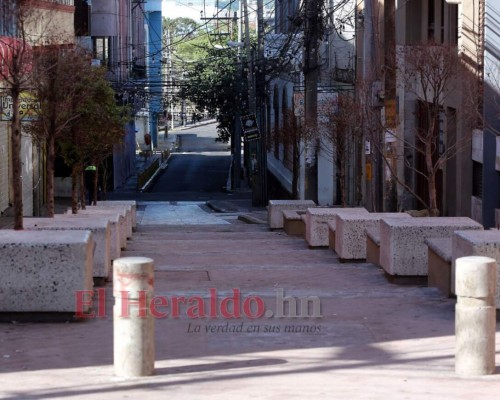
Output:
x=100 y=234
x=402 y=241
x=111 y=215
x=131 y=203
x=43 y=270
x=115 y=237
x=350 y=234
x=276 y=207
x=124 y=210
x=476 y=243
x=317 y=229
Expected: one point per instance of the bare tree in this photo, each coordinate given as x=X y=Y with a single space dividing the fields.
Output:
x=340 y=130
x=432 y=74
x=296 y=139
x=31 y=27
x=15 y=72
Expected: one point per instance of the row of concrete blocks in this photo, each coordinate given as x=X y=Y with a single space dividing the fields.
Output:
x=443 y=254
x=395 y=241
x=43 y=269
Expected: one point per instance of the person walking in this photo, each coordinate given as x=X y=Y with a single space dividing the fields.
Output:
x=90 y=172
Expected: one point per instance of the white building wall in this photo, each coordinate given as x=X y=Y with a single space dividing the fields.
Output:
x=326 y=176
x=27 y=174
x=4 y=167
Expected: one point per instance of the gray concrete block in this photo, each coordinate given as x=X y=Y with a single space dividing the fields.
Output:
x=131 y=203
x=111 y=215
x=115 y=238
x=43 y=270
x=476 y=243
x=317 y=230
x=350 y=235
x=276 y=207
x=100 y=234
x=125 y=210
x=402 y=241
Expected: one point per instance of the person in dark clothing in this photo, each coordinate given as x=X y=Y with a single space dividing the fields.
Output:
x=90 y=172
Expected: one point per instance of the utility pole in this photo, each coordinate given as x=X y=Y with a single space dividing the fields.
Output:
x=261 y=95
x=170 y=79
x=236 y=145
x=312 y=32
x=249 y=59
x=251 y=147
x=389 y=200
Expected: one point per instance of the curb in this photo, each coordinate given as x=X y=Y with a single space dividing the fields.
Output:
x=250 y=219
x=163 y=166
x=218 y=209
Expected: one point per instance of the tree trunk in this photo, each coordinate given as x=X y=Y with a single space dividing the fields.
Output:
x=95 y=185
x=83 y=197
x=104 y=170
x=51 y=157
x=295 y=169
x=433 y=208
x=17 y=183
x=75 y=175
x=343 y=201
x=431 y=181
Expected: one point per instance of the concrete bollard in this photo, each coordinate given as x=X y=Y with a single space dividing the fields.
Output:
x=133 y=324
x=475 y=315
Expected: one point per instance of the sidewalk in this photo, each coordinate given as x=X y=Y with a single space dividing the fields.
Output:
x=374 y=340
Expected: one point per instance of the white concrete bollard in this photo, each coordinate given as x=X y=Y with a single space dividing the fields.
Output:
x=475 y=315
x=133 y=324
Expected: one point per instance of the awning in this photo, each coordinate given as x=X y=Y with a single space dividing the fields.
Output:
x=11 y=47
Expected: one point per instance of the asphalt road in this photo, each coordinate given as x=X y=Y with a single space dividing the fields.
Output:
x=198 y=171
x=194 y=176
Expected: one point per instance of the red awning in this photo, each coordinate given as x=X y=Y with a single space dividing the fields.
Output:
x=14 y=48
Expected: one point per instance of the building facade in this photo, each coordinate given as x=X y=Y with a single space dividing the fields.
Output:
x=306 y=166
x=45 y=23
x=489 y=195
x=367 y=47
x=125 y=36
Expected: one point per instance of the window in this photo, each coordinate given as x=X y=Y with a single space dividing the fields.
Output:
x=442 y=22
x=431 y=20
x=452 y=31
x=477 y=179
x=101 y=49
x=64 y=2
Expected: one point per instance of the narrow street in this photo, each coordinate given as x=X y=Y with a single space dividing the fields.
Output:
x=197 y=170
x=194 y=176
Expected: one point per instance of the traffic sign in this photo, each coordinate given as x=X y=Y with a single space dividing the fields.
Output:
x=250 y=127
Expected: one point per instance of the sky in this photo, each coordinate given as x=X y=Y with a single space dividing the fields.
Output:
x=193 y=8
x=186 y=8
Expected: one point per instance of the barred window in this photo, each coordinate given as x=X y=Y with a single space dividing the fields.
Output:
x=65 y=2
